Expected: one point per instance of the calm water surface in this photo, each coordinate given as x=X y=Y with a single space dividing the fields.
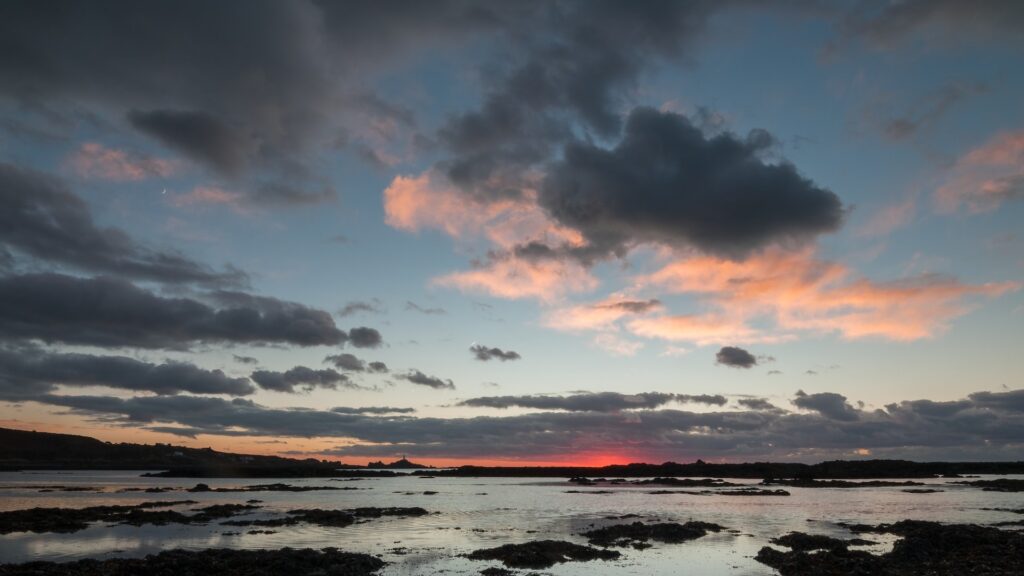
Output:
x=474 y=513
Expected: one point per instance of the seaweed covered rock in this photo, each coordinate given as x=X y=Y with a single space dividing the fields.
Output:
x=925 y=548
x=638 y=532
x=542 y=554
x=74 y=519
x=216 y=562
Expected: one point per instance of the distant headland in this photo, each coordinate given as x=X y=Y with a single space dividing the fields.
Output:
x=25 y=450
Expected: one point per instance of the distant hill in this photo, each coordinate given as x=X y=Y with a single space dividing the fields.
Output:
x=863 y=469
x=21 y=449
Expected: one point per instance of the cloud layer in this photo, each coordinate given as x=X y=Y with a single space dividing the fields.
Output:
x=985 y=425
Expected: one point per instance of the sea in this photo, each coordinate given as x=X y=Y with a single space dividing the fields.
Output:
x=473 y=513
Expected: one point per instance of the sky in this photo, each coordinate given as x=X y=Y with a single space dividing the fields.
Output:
x=538 y=232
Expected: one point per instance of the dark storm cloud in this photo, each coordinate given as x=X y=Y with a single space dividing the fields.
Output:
x=574 y=61
x=347 y=362
x=901 y=431
x=829 y=404
x=735 y=357
x=245 y=359
x=378 y=367
x=250 y=101
x=667 y=182
x=30 y=371
x=230 y=96
x=590 y=402
x=428 y=311
x=356 y=306
x=756 y=404
x=484 y=354
x=364 y=337
x=41 y=218
x=1013 y=400
x=709 y=399
x=300 y=378
x=417 y=377
x=197 y=135
x=111 y=312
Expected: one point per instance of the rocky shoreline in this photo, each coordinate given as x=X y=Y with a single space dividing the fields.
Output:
x=213 y=562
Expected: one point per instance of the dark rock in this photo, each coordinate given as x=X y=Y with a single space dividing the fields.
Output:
x=801 y=542
x=749 y=492
x=629 y=534
x=495 y=571
x=925 y=548
x=810 y=483
x=278 y=487
x=75 y=519
x=542 y=554
x=217 y=562
x=998 y=485
x=334 y=518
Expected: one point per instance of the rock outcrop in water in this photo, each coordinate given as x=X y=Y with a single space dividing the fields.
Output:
x=542 y=554
x=334 y=518
x=997 y=485
x=74 y=519
x=327 y=562
x=925 y=548
x=277 y=487
x=808 y=483
x=639 y=533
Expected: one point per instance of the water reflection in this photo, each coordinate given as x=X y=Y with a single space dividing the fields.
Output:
x=473 y=513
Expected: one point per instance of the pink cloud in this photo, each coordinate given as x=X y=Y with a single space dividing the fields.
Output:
x=206 y=195
x=93 y=160
x=986 y=177
x=889 y=219
x=600 y=315
x=428 y=201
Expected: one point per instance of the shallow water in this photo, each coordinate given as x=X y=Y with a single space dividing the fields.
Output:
x=474 y=513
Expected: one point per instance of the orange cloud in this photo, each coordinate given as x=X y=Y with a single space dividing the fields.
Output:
x=794 y=292
x=986 y=176
x=93 y=160
x=425 y=201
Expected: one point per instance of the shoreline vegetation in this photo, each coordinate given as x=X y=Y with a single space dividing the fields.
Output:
x=24 y=450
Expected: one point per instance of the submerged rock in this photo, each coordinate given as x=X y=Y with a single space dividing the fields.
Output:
x=638 y=532
x=216 y=562
x=542 y=554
